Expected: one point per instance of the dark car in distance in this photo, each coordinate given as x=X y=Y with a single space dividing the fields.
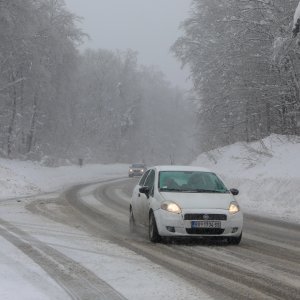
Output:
x=136 y=170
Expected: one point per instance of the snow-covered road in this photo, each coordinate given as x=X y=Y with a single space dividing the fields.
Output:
x=77 y=246
x=50 y=251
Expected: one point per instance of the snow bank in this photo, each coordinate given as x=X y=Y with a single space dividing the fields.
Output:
x=266 y=172
x=297 y=14
x=23 y=178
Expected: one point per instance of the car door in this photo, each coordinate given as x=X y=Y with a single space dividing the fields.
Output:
x=145 y=199
x=136 y=201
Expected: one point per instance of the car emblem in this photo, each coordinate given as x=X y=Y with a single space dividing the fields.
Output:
x=205 y=217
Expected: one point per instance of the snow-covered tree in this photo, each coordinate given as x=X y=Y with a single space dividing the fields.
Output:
x=245 y=84
x=100 y=105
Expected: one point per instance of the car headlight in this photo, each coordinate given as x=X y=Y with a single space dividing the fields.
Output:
x=234 y=207
x=171 y=207
x=130 y=170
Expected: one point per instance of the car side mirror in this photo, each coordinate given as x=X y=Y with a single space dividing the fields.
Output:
x=145 y=190
x=234 y=192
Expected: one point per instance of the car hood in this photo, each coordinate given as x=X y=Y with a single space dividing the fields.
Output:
x=199 y=200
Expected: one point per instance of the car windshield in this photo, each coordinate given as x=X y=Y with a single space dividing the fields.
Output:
x=138 y=166
x=190 y=181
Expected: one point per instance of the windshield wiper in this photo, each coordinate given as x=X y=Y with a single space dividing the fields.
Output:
x=207 y=191
x=191 y=191
x=171 y=190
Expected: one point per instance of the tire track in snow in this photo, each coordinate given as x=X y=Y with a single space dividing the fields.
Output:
x=247 y=271
x=213 y=273
x=77 y=281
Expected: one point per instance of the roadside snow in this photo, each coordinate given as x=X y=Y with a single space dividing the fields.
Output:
x=23 y=178
x=267 y=173
x=296 y=14
x=18 y=274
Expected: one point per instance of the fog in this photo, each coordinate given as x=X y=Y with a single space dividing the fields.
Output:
x=119 y=96
x=149 y=27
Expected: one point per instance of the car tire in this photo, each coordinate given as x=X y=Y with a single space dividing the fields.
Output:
x=235 y=240
x=154 y=236
x=132 y=225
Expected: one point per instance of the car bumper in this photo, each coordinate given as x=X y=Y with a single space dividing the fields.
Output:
x=176 y=225
x=132 y=174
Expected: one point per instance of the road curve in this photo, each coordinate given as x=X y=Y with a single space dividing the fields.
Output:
x=266 y=265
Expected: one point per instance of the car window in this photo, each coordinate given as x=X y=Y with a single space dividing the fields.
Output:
x=141 y=183
x=150 y=179
x=139 y=166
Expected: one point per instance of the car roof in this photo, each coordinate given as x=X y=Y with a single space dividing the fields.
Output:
x=180 y=168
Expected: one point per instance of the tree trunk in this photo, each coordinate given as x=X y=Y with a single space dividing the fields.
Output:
x=31 y=134
x=12 y=121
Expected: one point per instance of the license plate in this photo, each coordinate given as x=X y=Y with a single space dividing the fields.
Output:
x=206 y=224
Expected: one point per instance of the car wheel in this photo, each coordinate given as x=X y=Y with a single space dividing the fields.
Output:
x=235 y=240
x=154 y=236
x=132 y=225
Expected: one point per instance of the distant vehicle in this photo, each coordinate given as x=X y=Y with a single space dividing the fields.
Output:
x=185 y=201
x=136 y=170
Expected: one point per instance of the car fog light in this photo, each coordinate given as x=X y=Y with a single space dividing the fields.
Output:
x=170 y=228
x=234 y=229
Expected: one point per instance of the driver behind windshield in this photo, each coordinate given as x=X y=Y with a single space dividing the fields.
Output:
x=191 y=181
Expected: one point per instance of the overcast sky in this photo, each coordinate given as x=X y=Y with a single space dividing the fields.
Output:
x=147 y=26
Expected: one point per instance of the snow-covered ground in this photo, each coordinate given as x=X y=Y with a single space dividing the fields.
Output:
x=22 y=178
x=267 y=173
x=126 y=272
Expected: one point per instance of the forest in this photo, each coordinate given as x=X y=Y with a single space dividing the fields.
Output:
x=59 y=103
x=244 y=64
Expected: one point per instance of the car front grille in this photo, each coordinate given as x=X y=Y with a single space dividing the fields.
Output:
x=204 y=230
x=207 y=217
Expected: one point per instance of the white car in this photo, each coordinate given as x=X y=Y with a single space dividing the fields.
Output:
x=185 y=201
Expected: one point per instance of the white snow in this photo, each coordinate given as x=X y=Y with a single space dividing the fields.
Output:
x=297 y=14
x=21 y=178
x=130 y=274
x=267 y=173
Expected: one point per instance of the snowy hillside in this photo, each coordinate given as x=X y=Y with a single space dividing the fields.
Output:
x=267 y=173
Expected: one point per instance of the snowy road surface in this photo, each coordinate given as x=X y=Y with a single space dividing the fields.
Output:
x=77 y=246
